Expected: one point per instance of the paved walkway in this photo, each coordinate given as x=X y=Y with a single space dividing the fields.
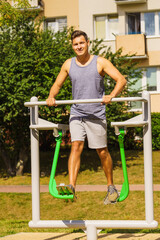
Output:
x=79 y=188
x=82 y=236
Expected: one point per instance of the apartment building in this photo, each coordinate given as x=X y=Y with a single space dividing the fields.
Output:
x=133 y=25
x=58 y=13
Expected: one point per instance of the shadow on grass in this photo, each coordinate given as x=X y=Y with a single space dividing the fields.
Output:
x=89 y=160
x=131 y=231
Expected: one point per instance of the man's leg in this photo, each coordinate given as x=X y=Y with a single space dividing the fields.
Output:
x=74 y=161
x=106 y=162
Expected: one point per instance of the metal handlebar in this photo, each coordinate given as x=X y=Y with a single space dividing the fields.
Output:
x=83 y=101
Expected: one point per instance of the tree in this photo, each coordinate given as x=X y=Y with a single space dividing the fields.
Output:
x=30 y=60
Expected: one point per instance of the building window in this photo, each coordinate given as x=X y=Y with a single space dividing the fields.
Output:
x=134 y=23
x=151 y=79
x=159 y=21
x=136 y=86
x=150 y=82
x=100 y=27
x=106 y=26
x=56 y=24
x=147 y=23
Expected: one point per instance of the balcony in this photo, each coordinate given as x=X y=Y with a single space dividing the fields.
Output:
x=36 y=3
x=33 y=3
x=120 y=2
x=132 y=44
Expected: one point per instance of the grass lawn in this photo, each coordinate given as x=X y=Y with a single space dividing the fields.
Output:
x=16 y=207
x=16 y=210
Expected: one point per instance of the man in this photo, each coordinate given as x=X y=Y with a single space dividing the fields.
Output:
x=86 y=72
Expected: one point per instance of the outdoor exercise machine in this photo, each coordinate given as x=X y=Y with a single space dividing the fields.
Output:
x=63 y=192
x=91 y=226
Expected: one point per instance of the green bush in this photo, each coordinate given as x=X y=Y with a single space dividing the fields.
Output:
x=134 y=136
x=30 y=60
x=155 y=131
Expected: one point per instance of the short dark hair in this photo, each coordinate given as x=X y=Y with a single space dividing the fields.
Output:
x=78 y=33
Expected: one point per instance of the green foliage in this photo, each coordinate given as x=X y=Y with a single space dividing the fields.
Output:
x=30 y=60
x=155 y=131
x=134 y=137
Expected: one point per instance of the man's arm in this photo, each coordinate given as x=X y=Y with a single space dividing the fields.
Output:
x=106 y=67
x=58 y=83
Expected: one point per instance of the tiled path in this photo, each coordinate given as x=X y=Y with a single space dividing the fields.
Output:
x=79 y=188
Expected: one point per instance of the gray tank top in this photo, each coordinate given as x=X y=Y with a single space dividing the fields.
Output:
x=87 y=83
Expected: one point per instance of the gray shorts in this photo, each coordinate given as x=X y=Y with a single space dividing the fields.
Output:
x=95 y=130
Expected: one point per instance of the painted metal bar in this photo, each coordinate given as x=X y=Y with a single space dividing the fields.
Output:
x=147 y=146
x=40 y=127
x=35 y=163
x=99 y=224
x=83 y=101
x=135 y=121
x=128 y=124
x=91 y=232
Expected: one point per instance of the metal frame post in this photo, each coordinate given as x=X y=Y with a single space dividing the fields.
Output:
x=91 y=232
x=35 y=163
x=147 y=149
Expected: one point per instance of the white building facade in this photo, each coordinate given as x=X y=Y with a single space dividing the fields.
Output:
x=133 y=25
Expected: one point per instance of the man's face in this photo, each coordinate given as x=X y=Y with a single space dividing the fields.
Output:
x=80 y=45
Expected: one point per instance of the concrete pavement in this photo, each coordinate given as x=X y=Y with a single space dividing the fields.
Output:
x=79 y=188
x=82 y=236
